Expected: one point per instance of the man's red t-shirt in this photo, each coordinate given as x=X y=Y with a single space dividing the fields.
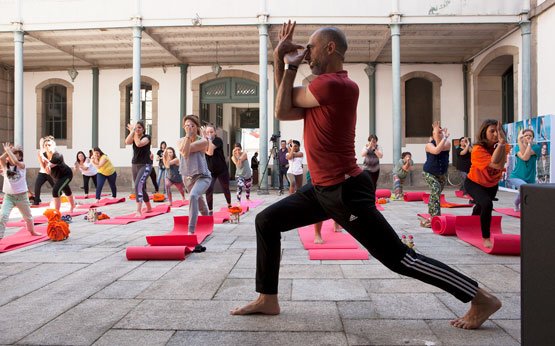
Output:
x=329 y=130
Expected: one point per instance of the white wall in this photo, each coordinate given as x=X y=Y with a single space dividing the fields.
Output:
x=545 y=61
x=515 y=40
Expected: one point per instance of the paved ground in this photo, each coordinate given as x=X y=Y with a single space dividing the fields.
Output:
x=83 y=291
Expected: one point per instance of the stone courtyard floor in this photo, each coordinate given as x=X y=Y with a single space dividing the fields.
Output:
x=83 y=291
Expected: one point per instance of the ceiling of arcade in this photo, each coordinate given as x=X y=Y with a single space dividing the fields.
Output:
x=113 y=48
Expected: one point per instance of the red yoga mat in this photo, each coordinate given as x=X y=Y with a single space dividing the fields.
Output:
x=508 y=211
x=22 y=238
x=221 y=217
x=164 y=253
x=468 y=229
x=444 y=224
x=332 y=240
x=129 y=218
x=178 y=235
x=40 y=205
x=427 y=216
x=461 y=194
x=42 y=219
x=103 y=202
x=383 y=193
x=338 y=254
x=413 y=196
x=443 y=202
x=91 y=196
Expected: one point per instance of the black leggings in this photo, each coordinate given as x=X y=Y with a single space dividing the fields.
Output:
x=223 y=177
x=154 y=180
x=483 y=197
x=375 y=176
x=86 y=179
x=352 y=205
x=62 y=184
x=41 y=179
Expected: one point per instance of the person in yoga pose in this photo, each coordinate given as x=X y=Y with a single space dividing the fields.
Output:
x=141 y=164
x=488 y=159
x=15 y=188
x=218 y=167
x=172 y=175
x=60 y=172
x=42 y=176
x=88 y=170
x=526 y=154
x=194 y=169
x=106 y=171
x=339 y=189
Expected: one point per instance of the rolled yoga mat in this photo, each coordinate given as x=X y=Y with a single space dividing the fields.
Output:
x=179 y=234
x=468 y=229
x=383 y=193
x=164 y=253
x=413 y=196
x=444 y=224
x=508 y=211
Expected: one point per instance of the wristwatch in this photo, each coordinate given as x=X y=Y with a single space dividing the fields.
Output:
x=291 y=67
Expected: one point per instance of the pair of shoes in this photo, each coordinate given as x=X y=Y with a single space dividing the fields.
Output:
x=199 y=248
x=66 y=218
x=426 y=223
x=516 y=208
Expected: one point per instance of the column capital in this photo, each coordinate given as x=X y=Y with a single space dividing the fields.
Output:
x=263 y=18
x=370 y=69
x=525 y=27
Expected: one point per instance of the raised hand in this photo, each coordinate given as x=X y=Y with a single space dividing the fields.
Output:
x=130 y=127
x=435 y=124
x=501 y=133
x=285 y=37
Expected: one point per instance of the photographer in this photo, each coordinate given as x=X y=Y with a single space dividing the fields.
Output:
x=283 y=164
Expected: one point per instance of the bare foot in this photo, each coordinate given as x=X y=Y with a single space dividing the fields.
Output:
x=35 y=233
x=481 y=308
x=487 y=243
x=318 y=240
x=266 y=304
x=138 y=214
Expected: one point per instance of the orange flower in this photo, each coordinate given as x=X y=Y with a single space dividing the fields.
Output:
x=57 y=230
x=52 y=215
x=235 y=209
x=158 y=197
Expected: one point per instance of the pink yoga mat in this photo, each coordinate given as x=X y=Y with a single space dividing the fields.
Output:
x=22 y=238
x=427 y=216
x=179 y=203
x=221 y=217
x=413 y=196
x=332 y=240
x=379 y=207
x=508 y=211
x=383 y=193
x=338 y=254
x=178 y=235
x=461 y=194
x=103 y=202
x=164 y=253
x=253 y=203
x=41 y=205
x=468 y=229
x=444 y=224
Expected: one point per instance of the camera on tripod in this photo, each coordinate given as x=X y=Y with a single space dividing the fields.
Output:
x=274 y=138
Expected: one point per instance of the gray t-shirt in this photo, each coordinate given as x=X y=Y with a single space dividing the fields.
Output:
x=244 y=171
x=399 y=172
x=194 y=165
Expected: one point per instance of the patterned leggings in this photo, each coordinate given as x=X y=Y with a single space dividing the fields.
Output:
x=398 y=186
x=436 y=184
x=243 y=183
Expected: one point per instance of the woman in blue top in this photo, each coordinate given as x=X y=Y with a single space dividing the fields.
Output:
x=435 y=168
x=526 y=152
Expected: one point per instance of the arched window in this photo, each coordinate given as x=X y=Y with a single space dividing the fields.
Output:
x=146 y=105
x=149 y=107
x=54 y=111
x=421 y=106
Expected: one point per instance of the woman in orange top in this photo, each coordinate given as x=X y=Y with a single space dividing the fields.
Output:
x=487 y=165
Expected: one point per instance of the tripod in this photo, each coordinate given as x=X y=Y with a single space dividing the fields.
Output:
x=273 y=152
